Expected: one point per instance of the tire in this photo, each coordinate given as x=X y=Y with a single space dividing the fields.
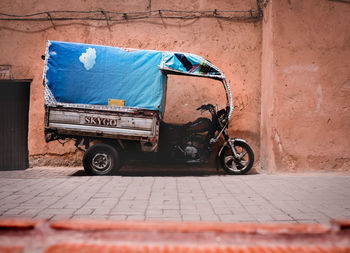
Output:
x=237 y=166
x=101 y=159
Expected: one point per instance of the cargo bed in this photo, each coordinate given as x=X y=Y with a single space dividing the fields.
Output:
x=101 y=122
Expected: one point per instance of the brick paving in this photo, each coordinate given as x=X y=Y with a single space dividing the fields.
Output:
x=174 y=194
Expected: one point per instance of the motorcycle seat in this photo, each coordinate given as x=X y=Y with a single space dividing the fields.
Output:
x=199 y=125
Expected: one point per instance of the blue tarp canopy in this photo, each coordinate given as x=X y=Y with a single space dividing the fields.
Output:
x=189 y=64
x=90 y=74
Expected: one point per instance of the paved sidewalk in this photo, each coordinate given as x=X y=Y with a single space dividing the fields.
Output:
x=175 y=194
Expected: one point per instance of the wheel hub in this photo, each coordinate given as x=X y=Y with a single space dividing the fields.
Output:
x=101 y=161
x=236 y=163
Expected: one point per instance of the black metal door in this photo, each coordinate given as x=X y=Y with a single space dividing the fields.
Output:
x=14 y=107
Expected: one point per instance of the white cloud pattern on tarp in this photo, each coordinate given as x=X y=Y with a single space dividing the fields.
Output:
x=88 y=58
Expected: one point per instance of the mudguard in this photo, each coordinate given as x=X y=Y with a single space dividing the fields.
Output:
x=227 y=143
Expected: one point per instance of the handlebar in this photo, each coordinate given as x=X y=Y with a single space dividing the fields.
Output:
x=217 y=118
x=211 y=109
x=207 y=107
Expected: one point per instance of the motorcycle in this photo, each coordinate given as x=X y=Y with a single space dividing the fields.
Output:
x=192 y=143
x=115 y=106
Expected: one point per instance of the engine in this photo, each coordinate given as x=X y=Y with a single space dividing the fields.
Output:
x=192 y=149
x=191 y=152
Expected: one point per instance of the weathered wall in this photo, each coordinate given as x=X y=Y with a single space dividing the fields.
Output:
x=305 y=104
x=235 y=47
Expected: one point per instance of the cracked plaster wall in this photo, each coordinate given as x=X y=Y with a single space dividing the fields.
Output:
x=299 y=54
x=234 y=47
x=305 y=104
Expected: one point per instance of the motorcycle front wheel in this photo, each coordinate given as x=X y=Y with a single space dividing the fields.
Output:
x=237 y=165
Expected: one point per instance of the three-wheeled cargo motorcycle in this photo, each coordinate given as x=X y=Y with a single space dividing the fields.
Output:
x=111 y=100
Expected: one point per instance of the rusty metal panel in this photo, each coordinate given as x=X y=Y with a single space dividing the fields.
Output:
x=105 y=123
x=14 y=107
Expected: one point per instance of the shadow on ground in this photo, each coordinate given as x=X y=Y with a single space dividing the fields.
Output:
x=151 y=169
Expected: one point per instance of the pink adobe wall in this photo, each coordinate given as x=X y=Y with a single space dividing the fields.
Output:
x=289 y=73
x=305 y=103
x=234 y=47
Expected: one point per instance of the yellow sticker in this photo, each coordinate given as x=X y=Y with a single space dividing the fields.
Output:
x=116 y=102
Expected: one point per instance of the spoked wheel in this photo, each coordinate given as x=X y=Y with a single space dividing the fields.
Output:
x=101 y=159
x=240 y=164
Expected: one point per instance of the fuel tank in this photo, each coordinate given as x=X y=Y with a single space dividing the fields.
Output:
x=175 y=133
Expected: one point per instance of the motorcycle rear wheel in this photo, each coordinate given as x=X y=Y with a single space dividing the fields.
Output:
x=237 y=165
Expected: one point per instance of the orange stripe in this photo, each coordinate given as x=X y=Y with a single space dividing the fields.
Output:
x=94 y=248
x=17 y=224
x=189 y=227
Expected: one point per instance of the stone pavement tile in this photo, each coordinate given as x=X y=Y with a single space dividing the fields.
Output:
x=223 y=211
x=213 y=217
x=163 y=219
x=187 y=207
x=32 y=212
x=74 y=204
x=55 y=211
x=109 y=203
x=42 y=201
x=190 y=212
x=191 y=217
x=135 y=217
x=90 y=217
x=117 y=217
x=254 y=209
x=8 y=206
x=171 y=213
x=238 y=210
x=284 y=198
x=123 y=203
x=15 y=211
x=126 y=212
x=13 y=198
x=153 y=215
x=161 y=207
x=139 y=208
x=263 y=218
x=219 y=203
x=81 y=216
x=282 y=216
x=301 y=215
x=101 y=211
x=58 y=217
x=102 y=195
x=122 y=209
x=4 y=194
x=235 y=218
x=84 y=211
x=305 y=221
x=140 y=203
x=58 y=204
x=17 y=216
x=282 y=222
x=204 y=208
x=164 y=215
x=94 y=203
x=322 y=221
x=42 y=216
